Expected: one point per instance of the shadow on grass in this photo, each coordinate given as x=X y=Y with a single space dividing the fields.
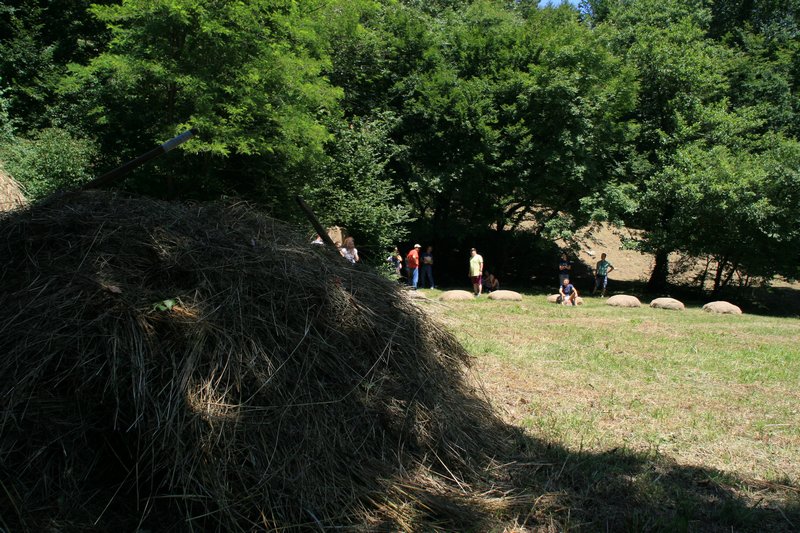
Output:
x=549 y=488
x=621 y=490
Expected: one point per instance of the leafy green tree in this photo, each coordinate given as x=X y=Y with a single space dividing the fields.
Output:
x=38 y=40
x=246 y=74
x=704 y=164
x=734 y=206
x=355 y=186
x=682 y=78
x=504 y=114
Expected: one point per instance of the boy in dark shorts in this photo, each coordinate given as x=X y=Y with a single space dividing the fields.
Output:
x=602 y=270
x=569 y=294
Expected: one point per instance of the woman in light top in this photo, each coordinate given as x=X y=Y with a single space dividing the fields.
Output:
x=349 y=250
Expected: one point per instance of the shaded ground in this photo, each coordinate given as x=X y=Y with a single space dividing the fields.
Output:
x=625 y=490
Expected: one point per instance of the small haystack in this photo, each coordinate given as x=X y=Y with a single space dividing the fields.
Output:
x=203 y=368
x=11 y=196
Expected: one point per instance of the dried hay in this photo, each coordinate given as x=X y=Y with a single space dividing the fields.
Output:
x=667 y=303
x=456 y=296
x=415 y=295
x=11 y=196
x=722 y=307
x=510 y=296
x=623 y=300
x=203 y=368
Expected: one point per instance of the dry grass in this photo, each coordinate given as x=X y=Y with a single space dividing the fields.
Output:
x=178 y=367
x=11 y=195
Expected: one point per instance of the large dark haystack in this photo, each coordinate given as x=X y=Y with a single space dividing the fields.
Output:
x=11 y=196
x=171 y=367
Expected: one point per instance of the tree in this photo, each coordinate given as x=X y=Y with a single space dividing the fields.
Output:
x=705 y=160
x=355 y=187
x=244 y=73
x=39 y=40
x=506 y=113
x=50 y=160
x=682 y=86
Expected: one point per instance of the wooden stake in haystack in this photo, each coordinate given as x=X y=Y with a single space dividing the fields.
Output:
x=11 y=196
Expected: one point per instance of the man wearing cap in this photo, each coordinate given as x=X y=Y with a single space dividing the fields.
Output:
x=412 y=265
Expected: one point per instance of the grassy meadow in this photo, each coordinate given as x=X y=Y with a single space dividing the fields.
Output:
x=708 y=406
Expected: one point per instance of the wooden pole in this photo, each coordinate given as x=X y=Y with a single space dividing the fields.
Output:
x=115 y=175
x=315 y=222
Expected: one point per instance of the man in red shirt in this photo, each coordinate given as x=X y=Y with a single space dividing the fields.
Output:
x=412 y=264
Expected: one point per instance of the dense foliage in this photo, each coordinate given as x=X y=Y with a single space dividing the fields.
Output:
x=676 y=117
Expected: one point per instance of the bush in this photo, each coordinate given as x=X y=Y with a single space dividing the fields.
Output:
x=52 y=160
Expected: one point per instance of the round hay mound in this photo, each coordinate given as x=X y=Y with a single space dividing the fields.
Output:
x=504 y=295
x=11 y=196
x=624 y=300
x=667 y=303
x=202 y=368
x=416 y=295
x=722 y=307
x=456 y=296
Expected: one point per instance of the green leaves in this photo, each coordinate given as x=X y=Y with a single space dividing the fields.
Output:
x=355 y=188
x=240 y=72
x=165 y=305
x=52 y=160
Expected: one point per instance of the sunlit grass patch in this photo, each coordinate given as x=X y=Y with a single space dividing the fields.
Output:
x=717 y=391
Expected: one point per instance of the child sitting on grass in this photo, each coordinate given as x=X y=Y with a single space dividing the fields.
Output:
x=569 y=294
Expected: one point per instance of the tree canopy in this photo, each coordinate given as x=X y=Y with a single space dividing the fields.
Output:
x=676 y=117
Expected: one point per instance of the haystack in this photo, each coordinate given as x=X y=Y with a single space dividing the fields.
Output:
x=11 y=196
x=667 y=303
x=723 y=308
x=203 y=368
x=509 y=296
x=623 y=300
x=456 y=296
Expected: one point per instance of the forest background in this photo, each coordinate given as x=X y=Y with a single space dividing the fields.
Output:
x=499 y=124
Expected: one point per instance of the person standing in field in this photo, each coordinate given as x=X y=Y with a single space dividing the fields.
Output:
x=476 y=271
x=601 y=272
x=569 y=294
x=412 y=266
x=564 y=268
x=396 y=261
x=427 y=267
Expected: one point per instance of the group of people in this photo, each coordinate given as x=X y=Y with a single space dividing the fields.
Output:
x=419 y=266
x=568 y=293
x=419 y=269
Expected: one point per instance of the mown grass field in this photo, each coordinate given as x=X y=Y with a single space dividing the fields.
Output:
x=714 y=397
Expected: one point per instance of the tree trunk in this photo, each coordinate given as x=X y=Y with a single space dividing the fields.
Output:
x=728 y=278
x=703 y=278
x=718 y=278
x=658 y=278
